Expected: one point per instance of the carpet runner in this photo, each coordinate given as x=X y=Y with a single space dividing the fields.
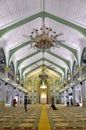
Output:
x=44 y=122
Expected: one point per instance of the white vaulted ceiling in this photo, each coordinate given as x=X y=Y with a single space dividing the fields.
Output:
x=20 y=17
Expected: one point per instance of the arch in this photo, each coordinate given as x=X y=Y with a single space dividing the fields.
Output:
x=83 y=57
x=56 y=84
x=29 y=84
x=74 y=70
x=11 y=66
x=2 y=57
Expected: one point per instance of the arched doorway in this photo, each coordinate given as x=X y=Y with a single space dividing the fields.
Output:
x=43 y=98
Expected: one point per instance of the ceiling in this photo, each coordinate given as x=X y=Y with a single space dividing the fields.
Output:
x=20 y=17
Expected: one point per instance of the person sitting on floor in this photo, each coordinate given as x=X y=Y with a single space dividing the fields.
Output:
x=77 y=104
x=53 y=107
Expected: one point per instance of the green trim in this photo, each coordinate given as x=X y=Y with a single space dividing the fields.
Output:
x=63 y=69
x=36 y=69
x=43 y=14
x=20 y=61
x=23 y=69
x=72 y=50
x=20 y=23
x=40 y=14
x=29 y=42
x=65 y=22
x=66 y=61
x=84 y=49
x=12 y=51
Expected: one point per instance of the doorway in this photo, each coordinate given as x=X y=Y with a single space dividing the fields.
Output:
x=43 y=98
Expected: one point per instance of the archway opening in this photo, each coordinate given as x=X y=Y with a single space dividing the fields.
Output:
x=43 y=98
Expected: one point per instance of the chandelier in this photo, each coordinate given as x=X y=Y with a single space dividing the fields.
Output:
x=43 y=76
x=44 y=38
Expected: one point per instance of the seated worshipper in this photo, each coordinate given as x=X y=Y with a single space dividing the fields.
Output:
x=53 y=107
x=77 y=104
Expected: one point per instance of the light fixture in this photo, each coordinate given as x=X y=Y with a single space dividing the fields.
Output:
x=44 y=38
x=43 y=76
x=43 y=86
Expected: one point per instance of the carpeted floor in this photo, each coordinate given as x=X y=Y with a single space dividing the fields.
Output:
x=38 y=117
x=70 y=118
x=17 y=118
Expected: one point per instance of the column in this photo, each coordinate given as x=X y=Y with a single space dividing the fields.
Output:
x=3 y=94
x=62 y=97
x=6 y=74
x=83 y=88
x=73 y=92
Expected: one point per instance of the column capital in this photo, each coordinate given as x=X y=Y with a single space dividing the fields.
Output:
x=7 y=69
x=79 y=68
x=15 y=76
x=71 y=75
